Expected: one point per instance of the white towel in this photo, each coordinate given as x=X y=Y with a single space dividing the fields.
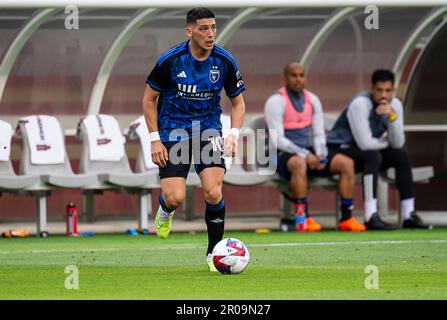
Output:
x=145 y=142
x=45 y=139
x=5 y=140
x=105 y=139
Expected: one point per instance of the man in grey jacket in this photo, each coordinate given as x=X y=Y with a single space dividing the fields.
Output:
x=371 y=132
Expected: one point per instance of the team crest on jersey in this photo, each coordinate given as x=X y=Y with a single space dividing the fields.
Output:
x=214 y=75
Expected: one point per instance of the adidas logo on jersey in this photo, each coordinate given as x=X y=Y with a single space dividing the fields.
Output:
x=182 y=75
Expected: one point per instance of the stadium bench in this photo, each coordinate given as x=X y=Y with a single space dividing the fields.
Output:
x=138 y=131
x=420 y=175
x=9 y=181
x=236 y=175
x=104 y=154
x=45 y=156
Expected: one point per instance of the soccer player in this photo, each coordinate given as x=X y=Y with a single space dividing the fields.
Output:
x=296 y=115
x=185 y=122
x=359 y=134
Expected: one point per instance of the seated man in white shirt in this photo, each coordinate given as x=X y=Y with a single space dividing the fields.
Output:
x=359 y=134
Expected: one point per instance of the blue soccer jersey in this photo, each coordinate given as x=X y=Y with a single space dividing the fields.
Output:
x=190 y=89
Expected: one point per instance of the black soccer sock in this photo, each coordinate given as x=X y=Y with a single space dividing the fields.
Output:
x=346 y=208
x=163 y=204
x=299 y=201
x=165 y=211
x=215 y=223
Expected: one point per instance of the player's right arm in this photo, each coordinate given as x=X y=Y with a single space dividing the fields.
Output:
x=158 y=150
x=358 y=118
x=396 y=132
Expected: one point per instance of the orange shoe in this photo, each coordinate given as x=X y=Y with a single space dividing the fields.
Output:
x=351 y=225
x=312 y=226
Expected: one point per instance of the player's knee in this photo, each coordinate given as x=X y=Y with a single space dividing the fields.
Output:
x=373 y=158
x=297 y=166
x=213 y=194
x=347 y=167
x=174 y=199
x=402 y=157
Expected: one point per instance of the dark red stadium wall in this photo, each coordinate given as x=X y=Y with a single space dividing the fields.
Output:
x=426 y=103
x=49 y=95
x=239 y=200
x=54 y=74
x=121 y=97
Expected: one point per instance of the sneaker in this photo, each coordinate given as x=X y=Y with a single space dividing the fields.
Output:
x=312 y=226
x=209 y=262
x=376 y=223
x=415 y=222
x=351 y=224
x=287 y=225
x=163 y=227
x=20 y=233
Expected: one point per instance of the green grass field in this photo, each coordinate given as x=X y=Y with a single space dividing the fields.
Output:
x=327 y=265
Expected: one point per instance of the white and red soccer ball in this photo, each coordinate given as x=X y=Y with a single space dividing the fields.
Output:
x=230 y=256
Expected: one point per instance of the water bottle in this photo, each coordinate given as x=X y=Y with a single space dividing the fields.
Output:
x=71 y=220
x=300 y=218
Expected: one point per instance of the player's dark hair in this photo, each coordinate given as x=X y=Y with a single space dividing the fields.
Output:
x=382 y=75
x=198 y=13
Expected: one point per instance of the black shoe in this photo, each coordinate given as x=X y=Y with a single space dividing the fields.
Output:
x=376 y=223
x=287 y=225
x=415 y=222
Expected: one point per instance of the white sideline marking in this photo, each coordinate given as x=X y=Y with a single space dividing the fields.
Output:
x=198 y=246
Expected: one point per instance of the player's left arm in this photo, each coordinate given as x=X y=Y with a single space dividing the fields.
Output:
x=318 y=133
x=234 y=86
x=237 y=118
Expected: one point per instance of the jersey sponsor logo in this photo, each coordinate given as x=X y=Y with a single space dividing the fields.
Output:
x=240 y=83
x=187 y=88
x=182 y=75
x=189 y=92
x=214 y=74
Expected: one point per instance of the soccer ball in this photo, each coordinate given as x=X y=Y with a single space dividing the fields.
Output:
x=230 y=256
